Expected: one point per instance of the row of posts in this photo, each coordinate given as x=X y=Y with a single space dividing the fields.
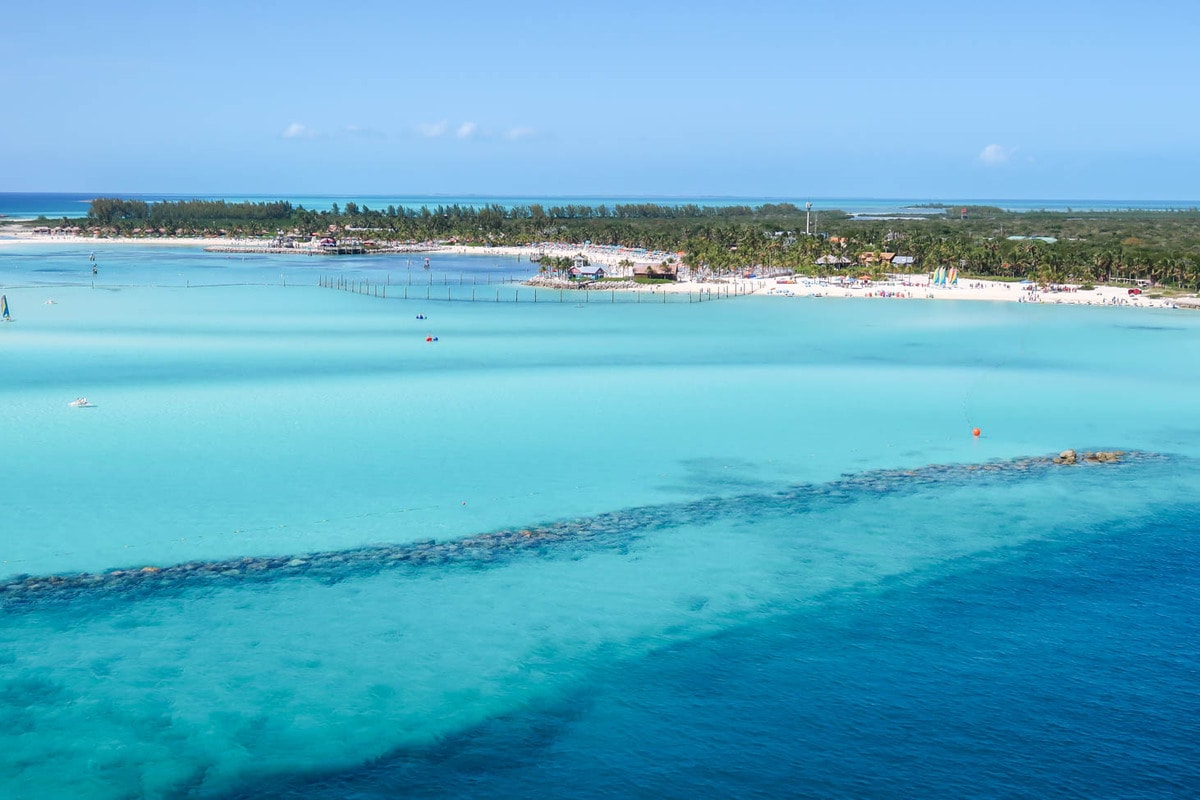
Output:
x=365 y=287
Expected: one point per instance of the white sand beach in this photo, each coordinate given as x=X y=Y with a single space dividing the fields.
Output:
x=623 y=260
x=906 y=287
x=898 y=287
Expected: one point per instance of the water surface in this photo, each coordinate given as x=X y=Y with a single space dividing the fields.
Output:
x=772 y=607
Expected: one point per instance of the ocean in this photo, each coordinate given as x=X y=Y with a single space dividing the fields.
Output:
x=622 y=547
x=54 y=206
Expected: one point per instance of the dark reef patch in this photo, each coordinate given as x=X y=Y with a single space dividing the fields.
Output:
x=609 y=530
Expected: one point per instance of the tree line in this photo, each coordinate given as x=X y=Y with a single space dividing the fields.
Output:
x=1057 y=247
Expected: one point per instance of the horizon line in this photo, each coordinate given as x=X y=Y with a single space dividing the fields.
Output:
x=602 y=196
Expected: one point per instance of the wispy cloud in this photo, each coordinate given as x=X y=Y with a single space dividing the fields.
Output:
x=432 y=130
x=995 y=154
x=469 y=130
x=298 y=131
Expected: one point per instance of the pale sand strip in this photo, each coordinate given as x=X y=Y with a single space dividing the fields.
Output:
x=907 y=287
x=917 y=287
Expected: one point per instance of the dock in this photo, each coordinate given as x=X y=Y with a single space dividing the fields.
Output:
x=348 y=249
x=511 y=289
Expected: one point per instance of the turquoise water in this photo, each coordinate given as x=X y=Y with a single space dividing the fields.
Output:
x=722 y=610
x=57 y=205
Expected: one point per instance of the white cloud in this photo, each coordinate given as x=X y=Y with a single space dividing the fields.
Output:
x=464 y=131
x=298 y=131
x=432 y=130
x=995 y=154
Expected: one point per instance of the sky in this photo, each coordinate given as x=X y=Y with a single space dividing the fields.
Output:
x=1022 y=100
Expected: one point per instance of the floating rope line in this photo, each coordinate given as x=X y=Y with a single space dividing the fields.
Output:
x=614 y=529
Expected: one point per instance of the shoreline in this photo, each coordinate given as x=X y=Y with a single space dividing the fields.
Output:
x=897 y=287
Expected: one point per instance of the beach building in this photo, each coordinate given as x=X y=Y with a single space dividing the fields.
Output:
x=590 y=272
x=871 y=258
x=661 y=272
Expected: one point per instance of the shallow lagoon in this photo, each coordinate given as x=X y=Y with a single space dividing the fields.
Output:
x=241 y=410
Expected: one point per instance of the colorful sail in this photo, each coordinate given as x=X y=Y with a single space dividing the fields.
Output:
x=4 y=307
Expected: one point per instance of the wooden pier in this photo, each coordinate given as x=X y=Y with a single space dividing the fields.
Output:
x=333 y=250
x=515 y=290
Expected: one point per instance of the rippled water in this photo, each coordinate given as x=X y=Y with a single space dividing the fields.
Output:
x=758 y=584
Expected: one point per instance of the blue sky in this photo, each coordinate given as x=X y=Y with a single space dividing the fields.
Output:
x=1081 y=100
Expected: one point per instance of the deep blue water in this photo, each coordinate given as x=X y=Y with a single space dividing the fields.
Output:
x=1067 y=669
x=784 y=566
x=75 y=204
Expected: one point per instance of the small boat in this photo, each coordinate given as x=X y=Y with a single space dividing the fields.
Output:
x=80 y=402
x=4 y=308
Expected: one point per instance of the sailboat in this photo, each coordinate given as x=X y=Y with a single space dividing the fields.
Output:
x=4 y=308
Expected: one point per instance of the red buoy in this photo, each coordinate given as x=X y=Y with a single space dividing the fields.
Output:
x=975 y=432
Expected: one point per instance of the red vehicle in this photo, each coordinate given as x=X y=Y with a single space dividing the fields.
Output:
x=1135 y=291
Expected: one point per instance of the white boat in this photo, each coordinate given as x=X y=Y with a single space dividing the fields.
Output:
x=80 y=402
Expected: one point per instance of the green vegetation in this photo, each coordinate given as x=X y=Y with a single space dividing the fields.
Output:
x=1087 y=247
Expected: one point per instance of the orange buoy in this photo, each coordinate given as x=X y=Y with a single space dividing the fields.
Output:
x=975 y=432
